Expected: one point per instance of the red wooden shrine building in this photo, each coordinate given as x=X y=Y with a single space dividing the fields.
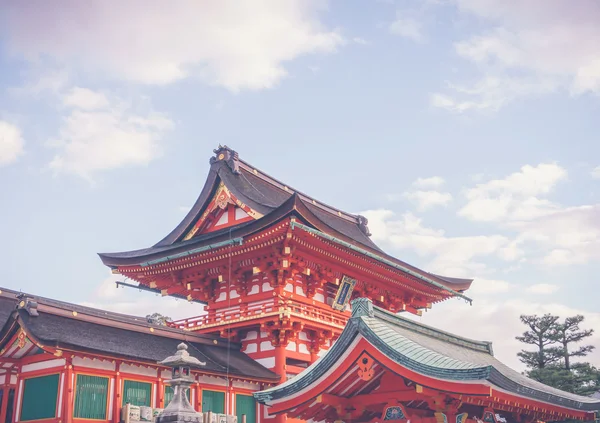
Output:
x=276 y=270
x=62 y=362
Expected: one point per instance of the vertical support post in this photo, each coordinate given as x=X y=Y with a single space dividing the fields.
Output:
x=68 y=394
x=229 y=403
x=199 y=399
x=160 y=394
x=280 y=369
x=117 y=394
x=280 y=362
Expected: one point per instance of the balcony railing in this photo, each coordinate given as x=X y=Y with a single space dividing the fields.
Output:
x=257 y=311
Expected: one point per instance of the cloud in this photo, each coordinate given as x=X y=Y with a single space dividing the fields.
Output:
x=567 y=236
x=532 y=48
x=543 y=289
x=596 y=173
x=11 y=143
x=561 y=235
x=490 y=93
x=514 y=197
x=432 y=182
x=86 y=99
x=452 y=256
x=483 y=286
x=407 y=27
x=498 y=321
x=233 y=44
x=426 y=200
x=98 y=134
x=40 y=82
x=361 y=41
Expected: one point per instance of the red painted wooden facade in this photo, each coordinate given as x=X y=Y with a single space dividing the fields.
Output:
x=268 y=261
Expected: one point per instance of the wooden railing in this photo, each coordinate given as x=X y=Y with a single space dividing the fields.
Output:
x=257 y=311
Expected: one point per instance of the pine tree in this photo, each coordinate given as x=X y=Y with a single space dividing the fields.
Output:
x=550 y=363
x=543 y=334
x=568 y=333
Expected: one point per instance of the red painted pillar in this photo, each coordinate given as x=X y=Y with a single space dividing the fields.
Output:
x=160 y=395
x=68 y=395
x=280 y=369
x=117 y=395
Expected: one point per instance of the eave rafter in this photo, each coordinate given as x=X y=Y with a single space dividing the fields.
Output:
x=278 y=253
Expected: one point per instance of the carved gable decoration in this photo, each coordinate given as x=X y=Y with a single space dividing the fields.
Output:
x=223 y=211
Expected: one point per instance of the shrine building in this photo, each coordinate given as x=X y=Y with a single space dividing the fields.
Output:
x=275 y=268
x=297 y=307
x=62 y=362
x=385 y=367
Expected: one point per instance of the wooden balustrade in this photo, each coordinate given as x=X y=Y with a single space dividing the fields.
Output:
x=256 y=311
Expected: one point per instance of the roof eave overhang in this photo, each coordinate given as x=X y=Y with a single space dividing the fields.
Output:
x=358 y=339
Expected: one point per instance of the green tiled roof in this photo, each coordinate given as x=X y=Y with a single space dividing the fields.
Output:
x=430 y=352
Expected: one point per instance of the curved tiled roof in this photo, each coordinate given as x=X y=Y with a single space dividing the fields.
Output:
x=272 y=199
x=115 y=334
x=430 y=352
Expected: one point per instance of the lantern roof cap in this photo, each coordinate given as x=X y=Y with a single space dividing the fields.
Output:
x=182 y=358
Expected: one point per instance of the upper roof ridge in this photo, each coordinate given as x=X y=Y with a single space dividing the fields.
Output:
x=235 y=164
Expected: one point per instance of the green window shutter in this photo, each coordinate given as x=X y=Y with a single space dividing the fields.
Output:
x=213 y=401
x=39 y=398
x=137 y=393
x=9 y=409
x=169 y=395
x=245 y=404
x=91 y=394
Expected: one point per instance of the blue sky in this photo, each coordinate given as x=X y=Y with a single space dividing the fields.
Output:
x=466 y=131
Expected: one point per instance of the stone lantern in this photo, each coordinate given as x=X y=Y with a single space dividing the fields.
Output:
x=180 y=409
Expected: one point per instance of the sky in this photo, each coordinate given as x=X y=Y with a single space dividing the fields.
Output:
x=465 y=130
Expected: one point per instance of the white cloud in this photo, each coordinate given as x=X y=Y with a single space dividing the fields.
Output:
x=567 y=236
x=452 y=256
x=498 y=321
x=361 y=41
x=548 y=43
x=425 y=200
x=596 y=173
x=483 y=286
x=427 y=197
x=432 y=182
x=543 y=288
x=113 y=135
x=406 y=26
x=42 y=82
x=515 y=196
x=11 y=143
x=490 y=93
x=86 y=99
x=561 y=235
x=233 y=44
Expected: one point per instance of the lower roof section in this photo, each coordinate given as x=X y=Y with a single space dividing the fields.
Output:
x=63 y=326
x=378 y=342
